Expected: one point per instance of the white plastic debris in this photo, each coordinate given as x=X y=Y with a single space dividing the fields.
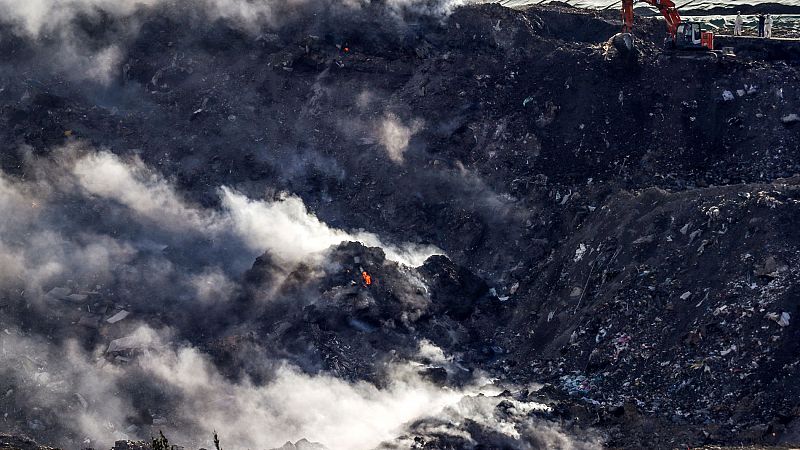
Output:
x=579 y=252
x=782 y=319
x=118 y=316
x=686 y=295
x=727 y=96
x=127 y=343
x=741 y=92
x=790 y=118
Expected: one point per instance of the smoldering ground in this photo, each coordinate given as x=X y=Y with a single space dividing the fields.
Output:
x=146 y=165
x=94 y=223
x=91 y=222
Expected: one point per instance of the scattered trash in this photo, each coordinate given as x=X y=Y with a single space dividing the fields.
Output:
x=727 y=96
x=781 y=319
x=728 y=350
x=791 y=118
x=118 y=316
x=579 y=384
x=127 y=343
x=579 y=252
x=620 y=344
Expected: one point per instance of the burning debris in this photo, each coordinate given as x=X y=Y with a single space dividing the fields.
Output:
x=362 y=211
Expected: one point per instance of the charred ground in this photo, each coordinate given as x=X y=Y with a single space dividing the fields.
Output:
x=620 y=229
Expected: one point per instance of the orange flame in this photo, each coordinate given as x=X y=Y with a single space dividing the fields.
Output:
x=367 y=278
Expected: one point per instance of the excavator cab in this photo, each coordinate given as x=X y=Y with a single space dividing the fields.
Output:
x=690 y=36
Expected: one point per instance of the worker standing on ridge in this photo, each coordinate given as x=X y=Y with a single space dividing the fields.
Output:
x=768 y=27
x=737 y=24
x=761 y=21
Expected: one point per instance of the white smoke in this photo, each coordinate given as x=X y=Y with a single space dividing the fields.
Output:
x=394 y=136
x=283 y=227
x=45 y=241
x=289 y=232
x=339 y=414
x=49 y=16
x=144 y=192
x=34 y=254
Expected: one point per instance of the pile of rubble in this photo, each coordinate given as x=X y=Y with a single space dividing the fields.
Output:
x=679 y=305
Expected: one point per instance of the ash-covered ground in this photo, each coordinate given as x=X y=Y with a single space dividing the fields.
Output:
x=391 y=224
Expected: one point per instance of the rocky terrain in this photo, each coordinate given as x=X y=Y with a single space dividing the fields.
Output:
x=612 y=234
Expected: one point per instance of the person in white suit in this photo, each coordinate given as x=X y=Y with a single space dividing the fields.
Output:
x=737 y=24
x=768 y=27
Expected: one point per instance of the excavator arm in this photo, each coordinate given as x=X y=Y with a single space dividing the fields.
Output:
x=682 y=35
x=666 y=7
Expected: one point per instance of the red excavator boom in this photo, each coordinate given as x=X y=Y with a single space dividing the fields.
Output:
x=666 y=7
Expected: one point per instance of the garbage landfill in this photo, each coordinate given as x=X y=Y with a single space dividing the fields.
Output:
x=443 y=195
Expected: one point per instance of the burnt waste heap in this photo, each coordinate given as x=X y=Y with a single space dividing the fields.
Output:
x=391 y=224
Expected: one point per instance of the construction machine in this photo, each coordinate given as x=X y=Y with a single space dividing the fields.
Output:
x=681 y=35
